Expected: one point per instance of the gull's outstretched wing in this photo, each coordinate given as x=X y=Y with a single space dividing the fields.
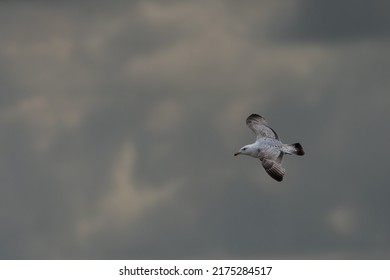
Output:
x=274 y=168
x=259 y=126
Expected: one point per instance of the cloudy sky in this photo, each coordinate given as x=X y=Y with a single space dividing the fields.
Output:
x=119 y=121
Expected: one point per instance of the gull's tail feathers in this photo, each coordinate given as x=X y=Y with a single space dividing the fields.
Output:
x=293 y=149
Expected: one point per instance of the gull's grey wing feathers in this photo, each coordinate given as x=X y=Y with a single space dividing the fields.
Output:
x=279 y=158
x=273 y=168
x=259 y=126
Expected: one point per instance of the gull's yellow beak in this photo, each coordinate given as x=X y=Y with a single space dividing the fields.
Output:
x=236 y=154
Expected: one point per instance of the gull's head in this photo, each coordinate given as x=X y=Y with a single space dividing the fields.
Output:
x=246 y=150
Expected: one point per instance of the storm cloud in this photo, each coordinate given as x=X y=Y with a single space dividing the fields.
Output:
x=119 y=123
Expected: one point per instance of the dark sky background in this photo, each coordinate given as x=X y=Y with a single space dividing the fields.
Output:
x=119 y=121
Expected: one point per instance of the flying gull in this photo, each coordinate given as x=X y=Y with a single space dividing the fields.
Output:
x=268 y=148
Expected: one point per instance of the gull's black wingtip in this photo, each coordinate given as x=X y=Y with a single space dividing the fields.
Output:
x=252 y=116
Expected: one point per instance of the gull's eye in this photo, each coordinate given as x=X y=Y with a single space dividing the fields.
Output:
x=244 y=149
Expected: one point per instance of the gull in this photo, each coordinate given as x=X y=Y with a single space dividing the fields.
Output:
x=268 y=148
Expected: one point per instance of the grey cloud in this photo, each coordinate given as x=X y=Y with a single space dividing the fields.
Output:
x=119 y=126
x=337 y=21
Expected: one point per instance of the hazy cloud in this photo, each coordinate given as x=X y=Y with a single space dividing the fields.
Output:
x=338 y=21
x=119 y=124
